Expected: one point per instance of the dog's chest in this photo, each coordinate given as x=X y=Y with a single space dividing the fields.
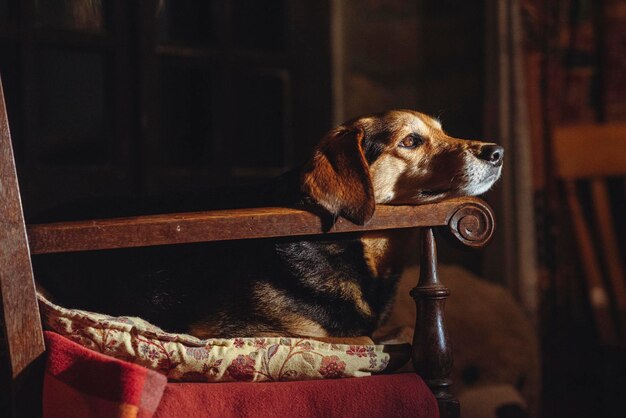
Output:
x=385 y=252
x=347 y=281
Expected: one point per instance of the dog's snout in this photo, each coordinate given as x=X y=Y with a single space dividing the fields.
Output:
x=493 y=154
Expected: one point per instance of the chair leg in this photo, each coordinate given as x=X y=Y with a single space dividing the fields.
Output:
x=597 y=292
x=432 y=351
x=611 y=254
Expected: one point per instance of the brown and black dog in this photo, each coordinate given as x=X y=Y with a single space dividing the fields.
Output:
x=329 y=286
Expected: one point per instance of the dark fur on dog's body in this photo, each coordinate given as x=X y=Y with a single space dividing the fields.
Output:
x=327 y=286
x=254 y=288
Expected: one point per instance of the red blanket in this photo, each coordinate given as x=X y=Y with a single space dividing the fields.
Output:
x=82 y=383
x=398 y=395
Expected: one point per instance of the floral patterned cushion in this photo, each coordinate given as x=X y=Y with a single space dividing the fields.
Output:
x=186 y=358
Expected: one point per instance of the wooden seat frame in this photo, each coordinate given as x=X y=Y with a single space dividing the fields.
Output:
x=470 y=220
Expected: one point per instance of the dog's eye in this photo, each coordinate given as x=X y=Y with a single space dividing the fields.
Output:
x=411 y=141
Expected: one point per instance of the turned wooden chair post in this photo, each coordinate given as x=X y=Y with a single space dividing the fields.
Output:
x=472 y=223
x=432 y=350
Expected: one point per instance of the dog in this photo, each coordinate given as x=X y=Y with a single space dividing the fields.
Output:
x=326 y=286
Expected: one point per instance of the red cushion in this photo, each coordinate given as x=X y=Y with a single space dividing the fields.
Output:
x=397 y=395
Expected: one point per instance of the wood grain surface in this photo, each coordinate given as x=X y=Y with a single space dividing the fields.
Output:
x=22 y=327
x=225 y=225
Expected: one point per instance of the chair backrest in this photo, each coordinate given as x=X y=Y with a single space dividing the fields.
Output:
x=470 y=220
x=594 y=153
x=22 y=339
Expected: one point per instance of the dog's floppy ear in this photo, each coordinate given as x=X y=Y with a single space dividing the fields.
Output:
x=337 y=177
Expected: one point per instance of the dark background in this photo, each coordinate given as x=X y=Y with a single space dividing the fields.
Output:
x=137 y=98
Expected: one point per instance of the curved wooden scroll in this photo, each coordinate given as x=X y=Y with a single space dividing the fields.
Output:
x=472 y=223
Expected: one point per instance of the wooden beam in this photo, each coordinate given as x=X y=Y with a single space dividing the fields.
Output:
x=226 y=225
x=22 y=326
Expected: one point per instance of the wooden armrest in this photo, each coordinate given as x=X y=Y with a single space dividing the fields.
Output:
x=467 y=217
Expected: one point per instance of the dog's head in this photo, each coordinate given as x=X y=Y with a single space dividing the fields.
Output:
x=397 y=157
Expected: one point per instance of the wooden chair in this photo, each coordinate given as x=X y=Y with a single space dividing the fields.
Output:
x=469 y=219
x=593 y=153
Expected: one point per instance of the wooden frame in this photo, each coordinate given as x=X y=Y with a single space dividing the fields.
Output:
x=470 y=220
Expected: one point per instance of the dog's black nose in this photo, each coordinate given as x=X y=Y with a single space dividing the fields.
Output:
x=493 y=154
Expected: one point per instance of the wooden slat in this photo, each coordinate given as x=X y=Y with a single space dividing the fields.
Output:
x=612 y=258
x=22 y=327
x=598 y=296
x=222 y=226
x=590 y=150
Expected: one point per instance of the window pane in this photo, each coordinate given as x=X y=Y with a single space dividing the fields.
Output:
x=259 y=24
x=260 y=120
x=186 y=115
x=72 y=122
x=185 y=21
x=80 y=15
